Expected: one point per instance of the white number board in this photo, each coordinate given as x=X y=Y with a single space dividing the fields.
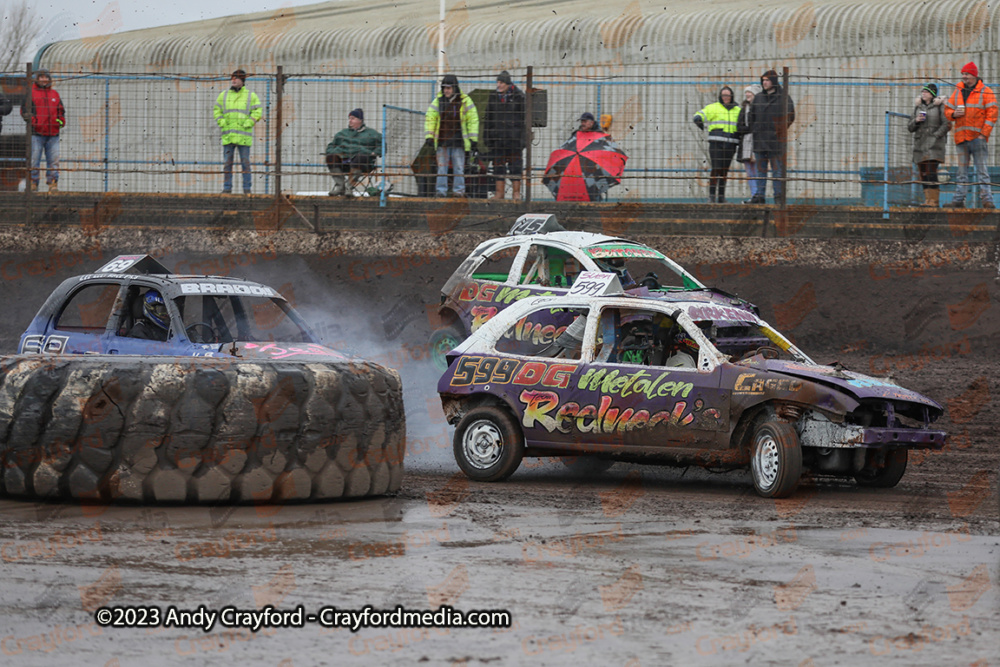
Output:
x=596 y=283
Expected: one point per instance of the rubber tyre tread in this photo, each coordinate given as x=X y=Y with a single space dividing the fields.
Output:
x=888 y=475
x=176 y=429
x=512 y=444
x=789 y=459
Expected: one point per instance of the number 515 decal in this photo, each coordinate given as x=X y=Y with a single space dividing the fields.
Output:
x=39 y=344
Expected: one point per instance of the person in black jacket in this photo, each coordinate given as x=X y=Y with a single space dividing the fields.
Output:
x=769 y=125
x=6 y=106
x=504 y=133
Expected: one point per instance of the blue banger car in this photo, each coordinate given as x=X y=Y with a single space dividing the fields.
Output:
x=135 y=305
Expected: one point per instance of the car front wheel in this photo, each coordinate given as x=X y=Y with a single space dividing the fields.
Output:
x=489 y=444
x=776 y=459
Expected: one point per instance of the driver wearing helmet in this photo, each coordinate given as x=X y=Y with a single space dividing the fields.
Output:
x=155 y=322
x=682 y=352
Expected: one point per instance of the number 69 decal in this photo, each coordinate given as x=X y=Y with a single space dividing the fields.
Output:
x=119 y=264
x=39 y=344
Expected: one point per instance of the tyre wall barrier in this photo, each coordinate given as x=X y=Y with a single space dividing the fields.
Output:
x=195 y=430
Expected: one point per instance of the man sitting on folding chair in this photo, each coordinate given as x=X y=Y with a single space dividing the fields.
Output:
x=353 y=150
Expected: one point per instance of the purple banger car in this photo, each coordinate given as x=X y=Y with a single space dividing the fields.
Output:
x=645 y=380
x=539 y=257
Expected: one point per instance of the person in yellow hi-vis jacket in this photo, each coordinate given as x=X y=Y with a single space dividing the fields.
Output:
x=237 y=110
x=451 y=128
x=720 y=119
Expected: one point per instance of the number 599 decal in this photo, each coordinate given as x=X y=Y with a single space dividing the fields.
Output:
x=39 y=344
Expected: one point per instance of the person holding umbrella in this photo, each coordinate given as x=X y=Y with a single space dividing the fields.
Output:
x=720 y=117
x=586 y=165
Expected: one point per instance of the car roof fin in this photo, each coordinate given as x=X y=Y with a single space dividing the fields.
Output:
x=535 y=223
x=141 y=264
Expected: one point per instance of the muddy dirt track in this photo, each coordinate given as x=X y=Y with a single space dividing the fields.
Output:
x=639 y=566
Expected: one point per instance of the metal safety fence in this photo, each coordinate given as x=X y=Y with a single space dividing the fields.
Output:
x=155 y=133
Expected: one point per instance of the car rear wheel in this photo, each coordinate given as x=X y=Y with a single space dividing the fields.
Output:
x=489 y=444
x=883 y=469
x=776 y=459
x=442 y=342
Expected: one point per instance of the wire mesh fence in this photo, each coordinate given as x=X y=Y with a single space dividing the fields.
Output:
x=155 y=133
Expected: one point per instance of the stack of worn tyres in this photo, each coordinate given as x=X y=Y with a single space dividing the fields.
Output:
x=197 y=430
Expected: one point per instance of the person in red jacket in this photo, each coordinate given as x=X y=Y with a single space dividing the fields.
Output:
x=47 y=116
x=973 y=109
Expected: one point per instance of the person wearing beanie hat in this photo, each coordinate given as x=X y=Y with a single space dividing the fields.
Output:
x=744 y=151
x=973 y=109
x=236 y=111
x=930 y=137
x=353 y=150
x=504 y=134
x=451 y=128
x=770 y=115
x=44 y=111
x=721 y=119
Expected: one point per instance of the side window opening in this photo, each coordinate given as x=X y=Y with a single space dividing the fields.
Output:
x=497 y=265
x=131 y=312
x=89 y=309
x=549 y=267
x=555 y=333
x=644 y=338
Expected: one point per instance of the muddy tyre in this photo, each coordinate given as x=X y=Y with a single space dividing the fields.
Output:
x=489 y=445
x=775 y=459
x=883 y=469
x=442 y=342
x=185 y=430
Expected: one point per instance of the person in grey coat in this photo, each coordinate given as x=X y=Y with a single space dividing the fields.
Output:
x=930 y=137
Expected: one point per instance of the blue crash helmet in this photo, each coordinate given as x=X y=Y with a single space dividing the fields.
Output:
x=155 y=309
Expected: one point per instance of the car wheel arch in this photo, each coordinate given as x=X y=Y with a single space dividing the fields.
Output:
x=457 y=406
x=771 y=409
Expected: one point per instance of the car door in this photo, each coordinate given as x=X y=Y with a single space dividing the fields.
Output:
x=80 y=325
x=530 y=366
x=119 y=342
x=636 y=399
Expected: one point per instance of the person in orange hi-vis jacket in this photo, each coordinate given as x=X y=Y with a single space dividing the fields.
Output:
x=973 y=109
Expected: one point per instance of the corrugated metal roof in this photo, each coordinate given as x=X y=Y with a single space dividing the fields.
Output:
x=364 y=37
